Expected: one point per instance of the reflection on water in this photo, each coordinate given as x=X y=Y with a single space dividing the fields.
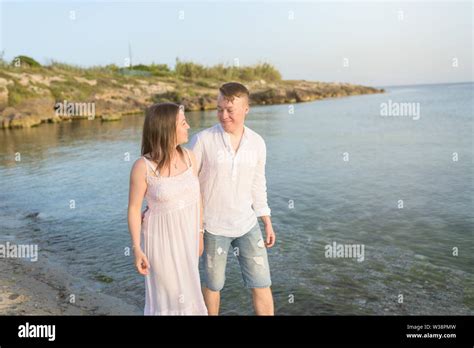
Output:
x=316 y=197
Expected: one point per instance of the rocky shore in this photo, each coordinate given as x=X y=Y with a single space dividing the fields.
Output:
x=30 y=97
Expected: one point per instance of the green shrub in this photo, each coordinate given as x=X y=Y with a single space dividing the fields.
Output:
x=25 y=60
x=171 y=96
x=262 y=71
x=18 y=93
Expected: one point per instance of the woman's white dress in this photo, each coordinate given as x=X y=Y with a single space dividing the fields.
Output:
x=170 y=235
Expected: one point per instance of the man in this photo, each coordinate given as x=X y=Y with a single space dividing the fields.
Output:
x=231 y=165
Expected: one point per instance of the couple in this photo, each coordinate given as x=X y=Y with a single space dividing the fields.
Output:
x=200 y=202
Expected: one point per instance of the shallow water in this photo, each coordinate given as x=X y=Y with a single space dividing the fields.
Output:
x=316 y=197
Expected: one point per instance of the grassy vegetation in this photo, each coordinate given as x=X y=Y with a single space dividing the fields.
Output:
x=22 y=60
x=188 y=71
x=17 y=93
x=123 y=90
x=188 y=78
x=71 y=90
x=153 y=69
x=262 y=71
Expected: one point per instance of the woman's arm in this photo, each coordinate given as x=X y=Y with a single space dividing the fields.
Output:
x=201 y=213
x=201 y=229
x=138 y=188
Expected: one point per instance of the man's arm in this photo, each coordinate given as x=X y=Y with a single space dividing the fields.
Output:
x=259 y=197
x=195 y=145
x=201 y=214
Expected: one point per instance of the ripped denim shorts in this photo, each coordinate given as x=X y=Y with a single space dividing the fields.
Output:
x=249 y=249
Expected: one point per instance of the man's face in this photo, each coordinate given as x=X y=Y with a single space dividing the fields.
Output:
x=231 y=114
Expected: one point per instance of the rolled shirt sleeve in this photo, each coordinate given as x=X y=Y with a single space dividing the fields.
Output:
x=259 y=186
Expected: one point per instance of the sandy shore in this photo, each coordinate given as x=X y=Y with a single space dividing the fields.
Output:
x=29 y=289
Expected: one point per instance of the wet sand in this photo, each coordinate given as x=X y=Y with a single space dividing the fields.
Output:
x=25 y=289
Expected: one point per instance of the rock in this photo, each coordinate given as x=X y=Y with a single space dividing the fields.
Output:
x=29 y=113
x=208 y=103
x=54 y=119
x=13 y=296
x=104 y=278
x=126 y=104
x=7 y=115
x=270 y=96
x=3 y=94
x=41 y=109
x=302 y=95
x=24 y=121
x=12 y=118
x=116 y=98
x=33 y=215
x=191 y=103
x=111 y=117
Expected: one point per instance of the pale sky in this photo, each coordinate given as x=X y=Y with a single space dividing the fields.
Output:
x=383 y=43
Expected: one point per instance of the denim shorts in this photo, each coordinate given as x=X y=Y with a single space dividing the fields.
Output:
x=249 y=249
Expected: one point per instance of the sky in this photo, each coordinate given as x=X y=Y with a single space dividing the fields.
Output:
x=377 y=43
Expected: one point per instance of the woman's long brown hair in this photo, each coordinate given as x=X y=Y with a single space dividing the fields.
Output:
x=159 y=133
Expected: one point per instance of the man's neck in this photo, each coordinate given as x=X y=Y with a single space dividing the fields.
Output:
x=237 y=133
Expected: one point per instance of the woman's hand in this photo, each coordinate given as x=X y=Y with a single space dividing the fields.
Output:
x=138 y=187
x=141 y=262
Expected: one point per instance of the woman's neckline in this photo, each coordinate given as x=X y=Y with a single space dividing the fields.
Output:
x=167 y=177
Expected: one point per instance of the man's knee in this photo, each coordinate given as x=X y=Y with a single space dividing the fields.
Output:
x=214 y=275
x=264 y=291
x=207 y=290
x=215 y=260
x=214 y=283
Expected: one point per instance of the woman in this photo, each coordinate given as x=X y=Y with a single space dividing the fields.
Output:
x=168 y=244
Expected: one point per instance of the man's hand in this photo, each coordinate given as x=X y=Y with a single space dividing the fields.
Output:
x=270 y=235
x=144 y=212
x=201 y=243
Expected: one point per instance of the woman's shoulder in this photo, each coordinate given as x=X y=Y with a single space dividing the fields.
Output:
x=191 y=154
x=139 y=167
x=193 y=160
x=147 y=159
x=140 y=163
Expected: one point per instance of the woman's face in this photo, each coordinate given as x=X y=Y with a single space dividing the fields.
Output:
x=182 y=127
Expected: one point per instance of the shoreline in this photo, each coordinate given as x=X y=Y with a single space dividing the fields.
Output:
x=30 y=97
x=30 y=289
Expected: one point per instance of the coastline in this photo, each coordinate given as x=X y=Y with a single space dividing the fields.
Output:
x=32 y=96
x=30 y=289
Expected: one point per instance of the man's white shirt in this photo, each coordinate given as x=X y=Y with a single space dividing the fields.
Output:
x=233 y=184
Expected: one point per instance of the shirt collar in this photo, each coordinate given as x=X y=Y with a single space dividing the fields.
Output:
x=244 y=135
x=226 y=136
